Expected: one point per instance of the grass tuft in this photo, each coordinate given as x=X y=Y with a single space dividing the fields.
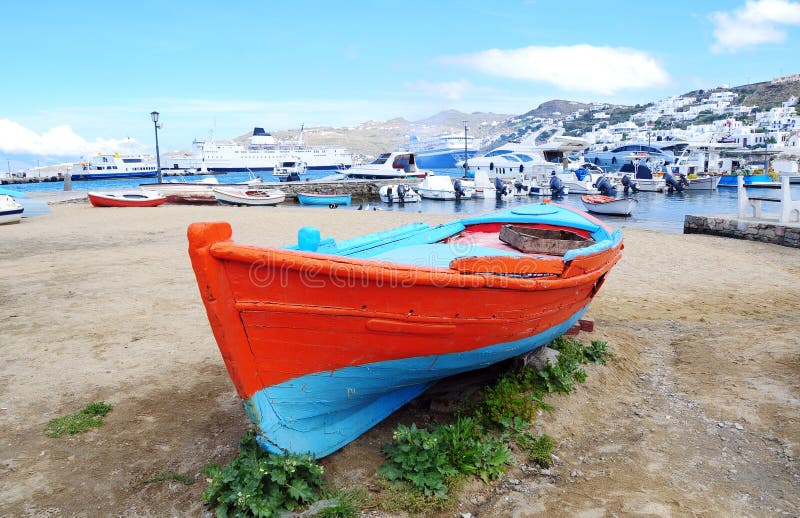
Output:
x=90 y=417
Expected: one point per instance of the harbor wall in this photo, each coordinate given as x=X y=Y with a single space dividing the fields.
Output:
x=785 y=234
x=359 y=189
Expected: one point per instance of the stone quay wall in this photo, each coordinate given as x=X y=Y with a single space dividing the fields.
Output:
x=359 y=189
x=751 y=229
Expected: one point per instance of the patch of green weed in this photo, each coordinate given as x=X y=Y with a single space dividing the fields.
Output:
x=170 y=475
x=90 y=417
x=257 y=483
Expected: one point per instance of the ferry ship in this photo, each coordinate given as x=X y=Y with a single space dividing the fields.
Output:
x=442 y=151
x=262 y=152
x=113 y=166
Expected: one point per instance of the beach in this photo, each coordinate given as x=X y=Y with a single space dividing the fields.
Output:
x=698 y=413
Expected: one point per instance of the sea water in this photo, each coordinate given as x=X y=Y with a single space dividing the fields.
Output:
x=655 y=211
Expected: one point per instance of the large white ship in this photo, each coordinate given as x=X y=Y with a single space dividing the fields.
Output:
x=262 y=152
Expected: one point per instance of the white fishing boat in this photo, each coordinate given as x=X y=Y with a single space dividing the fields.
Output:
x=10 y=210
x=250 y=197
x=600 y=204
x=702 y=182
x=435 y=187
x=262 y=152
x=398 y=164
x=398 y=193
x=113 y=166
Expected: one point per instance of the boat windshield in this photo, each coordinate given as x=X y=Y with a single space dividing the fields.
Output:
x=498 y=152
x=381 y=158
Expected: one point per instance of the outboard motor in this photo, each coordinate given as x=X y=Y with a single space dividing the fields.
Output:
x=401 y=192
x=389 y=193
x=683 y=180
x=672 y=183
x=519 y=186
x=293 y=177
x=629 y=184
x=556 y=186
x=500 y=189
x=457 y=187
x=604 y=186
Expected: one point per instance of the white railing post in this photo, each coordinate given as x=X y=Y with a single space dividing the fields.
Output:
x=740 y=190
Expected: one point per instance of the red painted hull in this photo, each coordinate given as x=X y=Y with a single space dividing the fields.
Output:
x=281 y=314
x=99 y=200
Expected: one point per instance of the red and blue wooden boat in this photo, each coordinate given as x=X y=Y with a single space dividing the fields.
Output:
x=324 y=339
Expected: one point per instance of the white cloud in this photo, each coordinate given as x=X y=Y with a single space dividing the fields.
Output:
x=57 y=141
x=452 y=90
x=757 y=22
x=602 y=70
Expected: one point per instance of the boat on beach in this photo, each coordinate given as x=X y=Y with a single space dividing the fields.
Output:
x=324 y=339
x=331 y=200
x=600 y=204
x=10 y=210
x=125 y=199
x=249 y=197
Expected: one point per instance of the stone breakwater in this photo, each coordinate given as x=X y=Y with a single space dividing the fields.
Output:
x=785 y=234
x=366 y=189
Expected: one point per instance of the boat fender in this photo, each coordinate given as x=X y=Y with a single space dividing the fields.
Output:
x=308 y=239
x=491 y=166
x=333 y=206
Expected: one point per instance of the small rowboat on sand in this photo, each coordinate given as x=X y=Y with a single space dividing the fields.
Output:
x=10 y=210
x=324 y=339
x=254 y=197
x=600 y=204
x=126 y=199
x=330 y=200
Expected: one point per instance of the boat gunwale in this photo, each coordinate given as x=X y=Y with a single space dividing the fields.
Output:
x=400 y=274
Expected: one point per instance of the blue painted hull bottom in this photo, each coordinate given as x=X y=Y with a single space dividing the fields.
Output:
x=321 y=412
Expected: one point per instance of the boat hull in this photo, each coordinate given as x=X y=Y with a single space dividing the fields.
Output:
x=125 y=199
x=703 y=183
x=110 y=176
x=442 y=159
x=321 y=346
x=254 y=198
x=753 y=180
x=10 y=216
x=613 y=207
x=323 y=199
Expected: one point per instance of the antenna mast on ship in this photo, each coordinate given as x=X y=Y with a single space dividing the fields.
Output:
x=466 y=166
x=300 y=136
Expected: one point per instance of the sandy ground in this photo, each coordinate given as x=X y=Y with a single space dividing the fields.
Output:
x=698 y=415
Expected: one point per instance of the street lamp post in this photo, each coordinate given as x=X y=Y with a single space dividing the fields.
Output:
x=154 y=116
x=466 y=167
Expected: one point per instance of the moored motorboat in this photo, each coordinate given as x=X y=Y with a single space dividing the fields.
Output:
x=441 y=187
x=125 y=199
x=600 y=204
x=330 y=200
x=324 y=339
x=702 y=182
x=389 y=165
x=253 y=197
x=10 y=210
x=398 y=193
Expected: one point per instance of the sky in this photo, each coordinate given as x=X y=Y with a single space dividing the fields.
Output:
x=83 y=76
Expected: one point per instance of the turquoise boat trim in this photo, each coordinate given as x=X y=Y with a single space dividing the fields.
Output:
x=424 y=237
x=549 y=214
x=320 y=413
